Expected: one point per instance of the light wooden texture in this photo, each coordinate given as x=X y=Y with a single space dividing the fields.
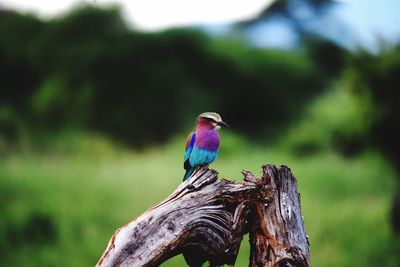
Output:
x=206 y=218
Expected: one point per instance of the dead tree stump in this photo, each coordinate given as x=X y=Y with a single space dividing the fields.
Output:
x=206 y=218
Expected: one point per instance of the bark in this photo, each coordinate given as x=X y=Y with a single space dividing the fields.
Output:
x=206 y=218
x=277 y=234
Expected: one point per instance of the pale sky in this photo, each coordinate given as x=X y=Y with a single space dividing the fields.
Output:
x=371 y=20
x=151 y=15
x=366 y=23
x=368 y=20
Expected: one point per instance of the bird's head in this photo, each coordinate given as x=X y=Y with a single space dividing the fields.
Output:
x=211 y=120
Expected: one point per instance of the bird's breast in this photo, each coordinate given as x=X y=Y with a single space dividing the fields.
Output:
x=207 y=139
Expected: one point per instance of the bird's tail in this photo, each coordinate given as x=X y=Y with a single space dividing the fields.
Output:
x=188 y=173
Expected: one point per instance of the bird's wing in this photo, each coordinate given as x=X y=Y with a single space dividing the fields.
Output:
x=188 y=149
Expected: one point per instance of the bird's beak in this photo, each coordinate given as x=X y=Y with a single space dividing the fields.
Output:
x=223 y=124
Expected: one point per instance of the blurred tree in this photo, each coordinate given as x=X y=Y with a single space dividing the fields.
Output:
x=300 y=15
x=307 y=20
x=376 y=77
x=87 y=69
x=18 y=73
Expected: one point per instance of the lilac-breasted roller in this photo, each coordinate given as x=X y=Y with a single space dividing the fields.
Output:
x=202 y=144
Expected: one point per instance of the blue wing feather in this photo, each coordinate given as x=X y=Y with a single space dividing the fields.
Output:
x=189 y=146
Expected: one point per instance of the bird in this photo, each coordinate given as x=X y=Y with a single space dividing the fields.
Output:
x=203 y=143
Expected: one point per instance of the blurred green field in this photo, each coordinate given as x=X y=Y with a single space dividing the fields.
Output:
x=60 y=207
x=62 y=197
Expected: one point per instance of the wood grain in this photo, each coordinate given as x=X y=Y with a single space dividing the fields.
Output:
x=206 y=218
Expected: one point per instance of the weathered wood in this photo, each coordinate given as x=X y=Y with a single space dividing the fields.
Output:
x=206 y=218
x=277 y=234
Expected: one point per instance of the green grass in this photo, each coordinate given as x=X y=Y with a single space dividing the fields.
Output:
x=84 y=187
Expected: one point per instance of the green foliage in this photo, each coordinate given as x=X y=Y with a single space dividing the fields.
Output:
x=142 y=88
x=337 y=120
x=18 y=73
x=48 y=97
x=377 y=77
